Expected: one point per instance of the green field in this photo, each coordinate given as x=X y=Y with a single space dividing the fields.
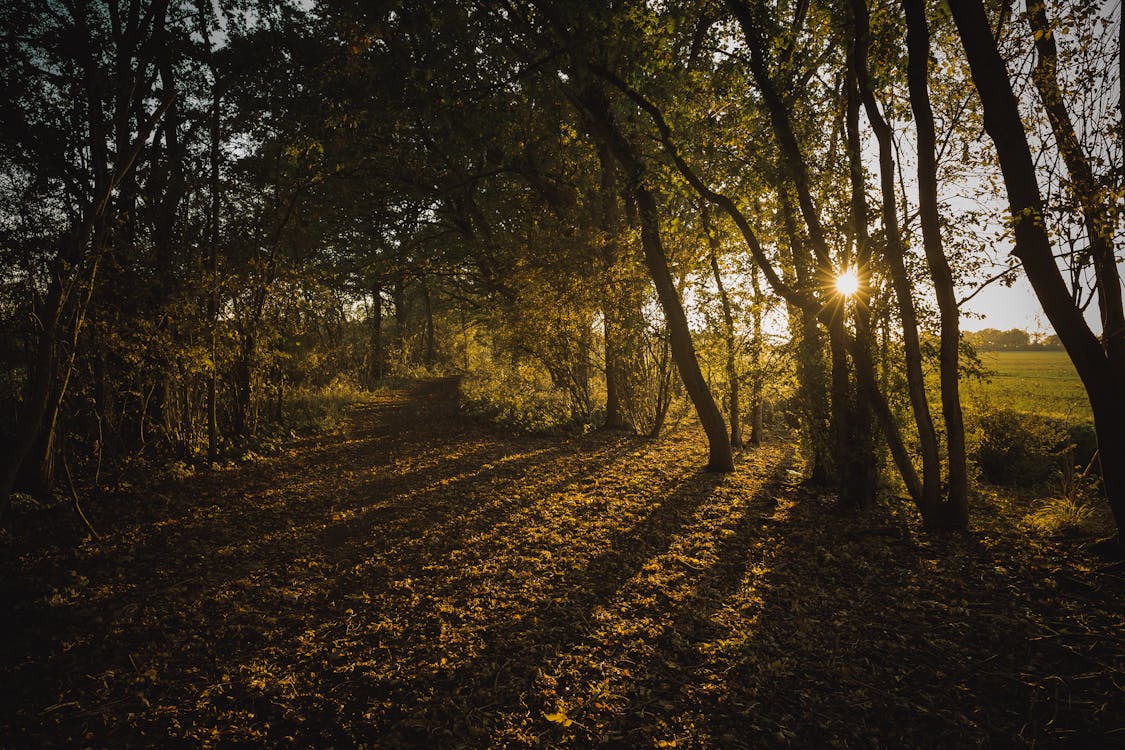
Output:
x=1032 y=382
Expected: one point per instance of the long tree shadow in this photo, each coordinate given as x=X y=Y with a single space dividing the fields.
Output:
x=526 y=628
x=198 y=586
x=851 y=631
x=511 y=649
x=407 y=605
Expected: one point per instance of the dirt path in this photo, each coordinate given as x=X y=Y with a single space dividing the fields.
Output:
x=421 y=580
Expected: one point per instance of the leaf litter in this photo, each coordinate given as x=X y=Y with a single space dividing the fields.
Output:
x=421 y=579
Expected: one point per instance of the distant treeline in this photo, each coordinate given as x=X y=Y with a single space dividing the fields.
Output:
x=1012 y=340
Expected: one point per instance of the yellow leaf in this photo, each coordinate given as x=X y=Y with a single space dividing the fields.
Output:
x=560 y=718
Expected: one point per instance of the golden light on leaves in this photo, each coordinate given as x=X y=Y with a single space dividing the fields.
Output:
x=847 y=282
x=559 y=718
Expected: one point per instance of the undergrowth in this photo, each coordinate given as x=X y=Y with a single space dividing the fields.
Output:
x=320 y=409
x=521 y=398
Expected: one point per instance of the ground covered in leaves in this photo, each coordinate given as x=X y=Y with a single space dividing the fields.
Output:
x=419 y=579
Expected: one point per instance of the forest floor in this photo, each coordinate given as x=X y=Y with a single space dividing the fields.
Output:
x=421 y=579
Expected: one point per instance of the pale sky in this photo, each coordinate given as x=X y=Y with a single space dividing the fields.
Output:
x=1016 y=307
x=1005 y=308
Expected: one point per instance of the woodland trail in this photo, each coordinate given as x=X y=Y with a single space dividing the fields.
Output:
x=420 y=579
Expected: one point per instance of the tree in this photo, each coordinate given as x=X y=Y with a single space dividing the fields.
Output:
x=87 y=148
x=954 y=511
x=1100 y=363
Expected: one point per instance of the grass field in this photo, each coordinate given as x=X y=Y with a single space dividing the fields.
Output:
x=1031 y=382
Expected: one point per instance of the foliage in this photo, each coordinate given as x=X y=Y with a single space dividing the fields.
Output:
x=309 y=409
x=1013 y=340
x=520 y=395
x=1021 y=450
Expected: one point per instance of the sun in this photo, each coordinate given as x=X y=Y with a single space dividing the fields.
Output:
x=847 y=282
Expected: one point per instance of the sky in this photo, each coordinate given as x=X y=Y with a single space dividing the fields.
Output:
x=1005 y=308
x=1016 y=307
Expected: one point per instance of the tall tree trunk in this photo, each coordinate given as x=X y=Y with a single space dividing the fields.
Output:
x=213 y=248
x=244 y=383
x=757 y=345
x=859 y=450
x=955 y=510
x=378 y=368
x=610 y=221
x=398 y=299
x=730 y=342
x=720 y=457
x=683 y=350
x=37 y=474
x=894 y=254
x=431 y=344
x=213 y=285
x=582 y=367
x=841 y=410
x=1104 y=384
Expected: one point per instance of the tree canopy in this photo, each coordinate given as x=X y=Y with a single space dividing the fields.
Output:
x=210 y=207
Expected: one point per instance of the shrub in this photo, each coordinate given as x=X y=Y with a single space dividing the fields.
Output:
x=1021 y=450
x=521 y=397
x=319 y=409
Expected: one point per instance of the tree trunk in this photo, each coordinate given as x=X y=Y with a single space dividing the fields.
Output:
x=895 y=257
x=841 y=409
x=1109 y=424
x=954 y=512
x=617 y=298
x=683 y=350
x=398 y=299
x=858 y=458
x=244 y=383
x=37 y=474
x=377 y=367
x=757 y=344
x=729 y=340
x=431 y=345
x=213 y=258
x=720 y=457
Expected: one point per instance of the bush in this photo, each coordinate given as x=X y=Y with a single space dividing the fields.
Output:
x=319 y=409
x=521 y=397
x=1021 y=450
